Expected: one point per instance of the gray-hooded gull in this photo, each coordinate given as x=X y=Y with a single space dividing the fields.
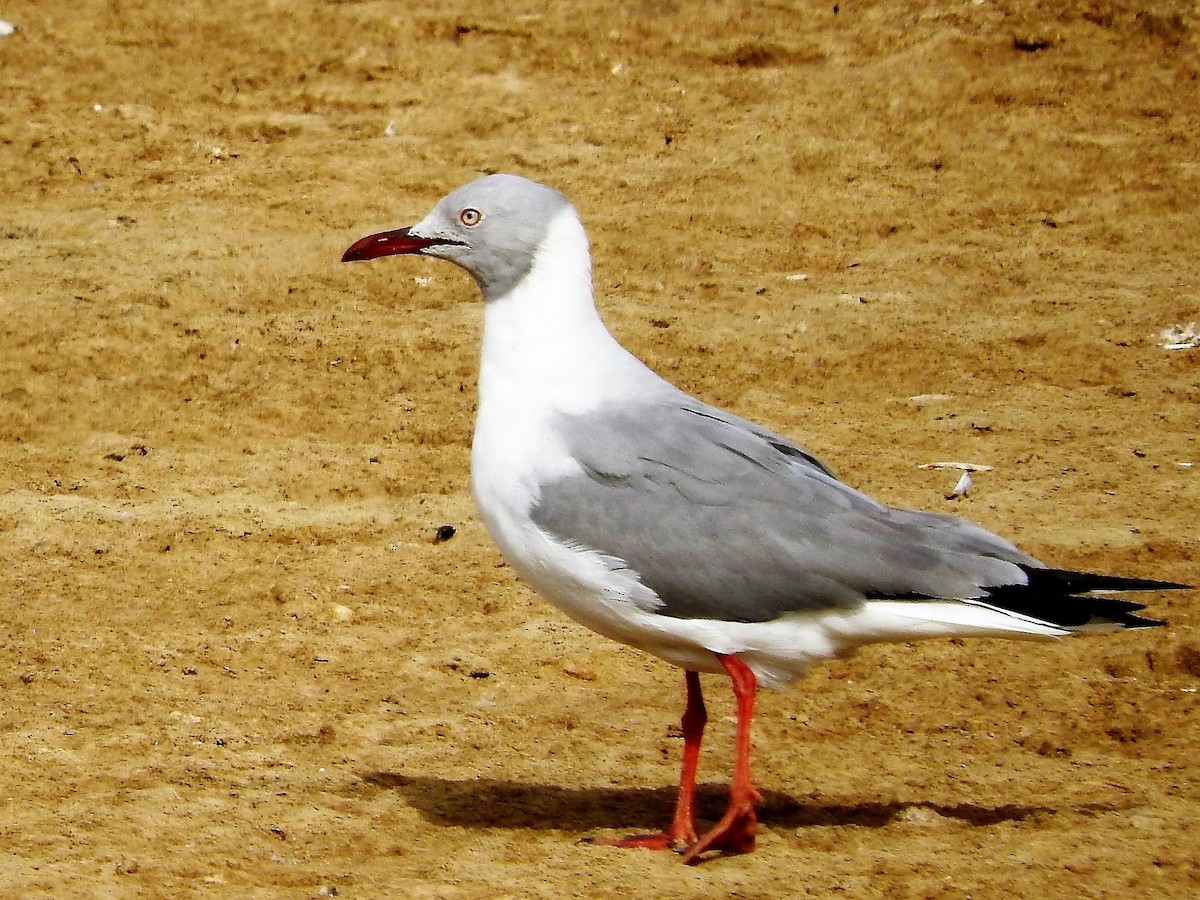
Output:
x=693 y=534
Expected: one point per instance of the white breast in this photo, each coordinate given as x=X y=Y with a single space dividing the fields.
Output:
x=546 y=354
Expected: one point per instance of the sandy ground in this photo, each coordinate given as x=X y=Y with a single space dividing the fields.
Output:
x=237 y=663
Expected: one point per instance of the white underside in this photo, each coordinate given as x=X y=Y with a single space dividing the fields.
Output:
x=546 y=353
x=582 y=585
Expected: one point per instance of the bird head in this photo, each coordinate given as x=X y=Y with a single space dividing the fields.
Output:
x=492 y=227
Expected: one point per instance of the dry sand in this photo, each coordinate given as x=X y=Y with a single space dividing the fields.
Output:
x=236 y=663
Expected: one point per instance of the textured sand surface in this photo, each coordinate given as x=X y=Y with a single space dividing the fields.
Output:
x=236 y=663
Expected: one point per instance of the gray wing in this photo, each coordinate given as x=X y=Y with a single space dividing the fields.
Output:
x=723 y=519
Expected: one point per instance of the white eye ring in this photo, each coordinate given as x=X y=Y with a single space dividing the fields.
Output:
x=470 y=217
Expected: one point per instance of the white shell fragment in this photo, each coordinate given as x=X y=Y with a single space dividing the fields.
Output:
x=1180 y=337
x=960 y=489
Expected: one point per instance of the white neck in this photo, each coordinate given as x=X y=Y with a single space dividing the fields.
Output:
x=544 y=344
x=546 y=354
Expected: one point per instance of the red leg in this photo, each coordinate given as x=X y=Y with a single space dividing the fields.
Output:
x=682 y=832
x=735 y=832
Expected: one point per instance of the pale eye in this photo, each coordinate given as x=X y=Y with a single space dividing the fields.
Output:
x=470 y=217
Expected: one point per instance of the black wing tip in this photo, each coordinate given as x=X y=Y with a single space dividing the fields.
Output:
x=1073 y=600
x=1119 y=612
x=1143 y=584
x=1073 y=582
x=1170 y=586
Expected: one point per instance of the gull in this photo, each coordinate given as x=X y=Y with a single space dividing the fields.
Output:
x=684 y=530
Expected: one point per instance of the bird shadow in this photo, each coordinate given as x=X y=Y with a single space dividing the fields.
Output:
x=494 y=803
